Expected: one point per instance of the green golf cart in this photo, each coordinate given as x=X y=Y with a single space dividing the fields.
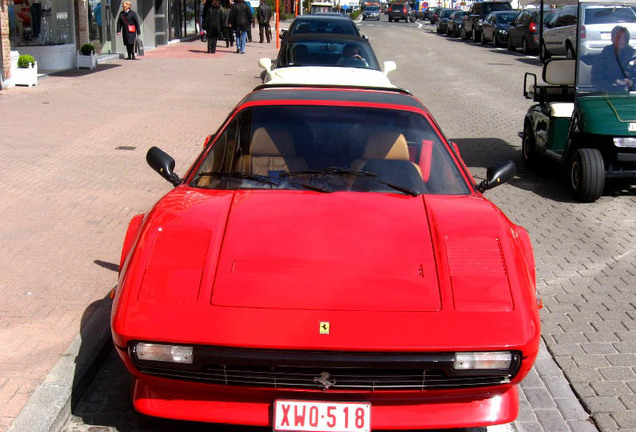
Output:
x=585 y=115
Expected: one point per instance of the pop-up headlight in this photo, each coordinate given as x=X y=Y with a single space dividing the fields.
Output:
x=164 y=353
x=482 y=360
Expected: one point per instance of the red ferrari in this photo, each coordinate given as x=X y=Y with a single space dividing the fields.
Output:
x=327 y=264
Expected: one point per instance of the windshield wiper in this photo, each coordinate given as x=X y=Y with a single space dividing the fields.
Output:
x=368 y=174
x=399 y=188
x=336 y=170
x=261 y=179
x=287 y=177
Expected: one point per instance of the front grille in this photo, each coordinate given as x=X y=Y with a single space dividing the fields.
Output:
x=368 y=380
x=318 y=370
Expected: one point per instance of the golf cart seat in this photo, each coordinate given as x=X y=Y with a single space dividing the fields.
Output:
x=559 y=78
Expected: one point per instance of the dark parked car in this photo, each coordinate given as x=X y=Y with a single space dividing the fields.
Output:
x=329 y=23
x=401 y=11
x=455 y=22
x=471 y=27
x=524 y=30
x=433 y=14
x=442 y=20
x=495 y=27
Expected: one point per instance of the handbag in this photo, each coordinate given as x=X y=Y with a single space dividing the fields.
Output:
x=139 y=47
x=131 y=27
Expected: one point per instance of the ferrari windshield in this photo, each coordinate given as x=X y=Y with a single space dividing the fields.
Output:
x=606 y=58
x=329 y=149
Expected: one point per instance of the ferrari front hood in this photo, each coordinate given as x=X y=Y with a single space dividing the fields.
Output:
x=341 y=251
x=265 y=268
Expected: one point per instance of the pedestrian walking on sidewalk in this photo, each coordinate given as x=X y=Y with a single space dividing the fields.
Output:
x=252 y=21
x=128 y=27
x=240 y=18
x=264 y=14
x=213 y=23
x=227 y=30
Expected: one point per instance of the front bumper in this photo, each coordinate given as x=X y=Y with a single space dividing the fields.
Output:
x=253 y=407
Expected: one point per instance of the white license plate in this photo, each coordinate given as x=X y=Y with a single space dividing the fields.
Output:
x=632 y=127
x=291 y=415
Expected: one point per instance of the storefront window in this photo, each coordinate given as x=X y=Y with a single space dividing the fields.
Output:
x=45 y=22
x=96 y=27
x=190 y=17
x=183 y=18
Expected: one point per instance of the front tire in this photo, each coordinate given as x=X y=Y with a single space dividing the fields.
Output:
x=587 y=174
x=528 y=147
x=482 y=38
x=474 y=35
x=524 y=47
x=462 y=33
x=510 y=46
x=494 y=40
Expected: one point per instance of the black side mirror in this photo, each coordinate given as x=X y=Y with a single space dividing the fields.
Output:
x=497 y=175
x=163 y=163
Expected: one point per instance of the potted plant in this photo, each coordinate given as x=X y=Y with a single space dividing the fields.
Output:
x=27 y=71
x=86 y=57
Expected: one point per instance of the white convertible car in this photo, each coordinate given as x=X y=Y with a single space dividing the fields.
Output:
x=327 y=60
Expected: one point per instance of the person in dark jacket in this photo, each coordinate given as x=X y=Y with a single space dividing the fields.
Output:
x=128 y=27
x=614 y=68
x=213 y=23
x=227 y=30
x=264 y=14
x=240 y=18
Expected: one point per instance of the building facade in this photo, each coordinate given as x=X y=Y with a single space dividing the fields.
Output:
x=53 y=30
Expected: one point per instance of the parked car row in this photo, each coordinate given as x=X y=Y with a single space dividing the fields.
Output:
x=498 y=24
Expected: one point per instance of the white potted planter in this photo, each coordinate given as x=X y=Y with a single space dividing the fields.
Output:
x=86 y=61
x=25 y=76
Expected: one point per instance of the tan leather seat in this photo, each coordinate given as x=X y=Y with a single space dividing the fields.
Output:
x=384 y=145
x=272 y=150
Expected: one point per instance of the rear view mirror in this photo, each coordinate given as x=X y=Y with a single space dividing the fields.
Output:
x=266 y=64
x=389 y=66
x=163 y=163
x=283 y=34
x=497 y=175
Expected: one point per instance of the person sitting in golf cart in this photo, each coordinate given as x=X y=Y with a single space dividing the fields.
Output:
x=614 y=68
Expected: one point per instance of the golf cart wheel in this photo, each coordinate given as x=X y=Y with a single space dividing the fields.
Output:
x=587 y=174
x=528 y=147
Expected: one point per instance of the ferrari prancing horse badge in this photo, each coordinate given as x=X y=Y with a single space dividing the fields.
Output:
x=324 y=327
